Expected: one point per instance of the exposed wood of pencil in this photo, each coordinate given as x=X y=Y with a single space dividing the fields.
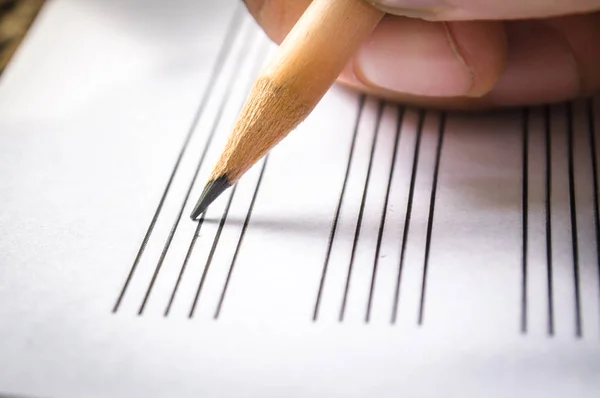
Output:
x=305 y=66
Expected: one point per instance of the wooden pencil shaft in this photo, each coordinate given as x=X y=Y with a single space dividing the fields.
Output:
x=319 y=46
x=305 y=66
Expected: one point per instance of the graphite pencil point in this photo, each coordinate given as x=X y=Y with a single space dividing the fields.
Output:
x=212 y=190
x=291 y=84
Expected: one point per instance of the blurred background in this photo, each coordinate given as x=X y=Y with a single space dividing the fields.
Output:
x=16 y=17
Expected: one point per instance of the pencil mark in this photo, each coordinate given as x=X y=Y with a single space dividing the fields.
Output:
x=336 y=217
x=234 y=77
x=436 y=171
x=361 y=211
x=384 y=213
x=241 y=238
x=185 y=262
x=212 y=251
x=203 y=217
x=592 y=142
x=524 y=218
x=573 y=208
x=409 y=204
x=549 y=221
x=232 y=30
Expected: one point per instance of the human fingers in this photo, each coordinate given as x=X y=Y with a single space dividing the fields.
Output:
x=444 y=10
x=547 y=60
x=410 y=55
x=277 y=17
x=551 y=60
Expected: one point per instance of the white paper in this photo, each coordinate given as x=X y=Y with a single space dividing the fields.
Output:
x=105 y=114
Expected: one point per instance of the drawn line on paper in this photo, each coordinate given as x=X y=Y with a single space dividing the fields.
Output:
x=573 y=208
x=336 y=217
x=407 y=217
x=212 y=250
x=255 y=68
x=361 y=211
x=226 y=46
x=549 y=220
x=432 y=199
x=226 y=97
x=384 y=212
x=241 y=239
x=592 y=141
x=185 y=263
x=524 y=217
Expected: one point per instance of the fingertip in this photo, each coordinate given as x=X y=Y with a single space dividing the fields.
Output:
x=277 y=17
x=436 y=59
x=254 y=6
x=541 y=67
x=582 y=33
x=483 y=47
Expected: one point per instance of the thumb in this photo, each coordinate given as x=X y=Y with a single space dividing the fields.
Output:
x=444 y=10
x=434 y=59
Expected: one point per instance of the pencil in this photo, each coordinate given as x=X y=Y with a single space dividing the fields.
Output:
x=304 y=67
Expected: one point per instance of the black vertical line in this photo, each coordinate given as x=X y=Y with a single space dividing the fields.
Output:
x=241 y=238
x=549 y=220
x=361 y=212
x=524 y=218
x=436 y=171
x=243 y=53
x=592 y=138
x=196 y=234
x=573 y=208
x=212 y=250
x=185 y=263
x=407 y=217
x=232 y=30
x=384 y=214
x=336 y=217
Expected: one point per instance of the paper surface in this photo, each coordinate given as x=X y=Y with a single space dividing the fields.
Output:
x=377 y=251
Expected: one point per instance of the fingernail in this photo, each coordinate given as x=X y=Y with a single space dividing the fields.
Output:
x=541 y=67
x=412 y=8
x=413 y=57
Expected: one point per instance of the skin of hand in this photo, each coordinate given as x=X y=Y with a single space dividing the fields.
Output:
x=467 y=54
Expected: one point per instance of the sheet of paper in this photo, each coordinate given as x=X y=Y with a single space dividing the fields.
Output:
x=377 y=251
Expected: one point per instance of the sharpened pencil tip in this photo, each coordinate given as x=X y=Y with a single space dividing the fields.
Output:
x=212 y=190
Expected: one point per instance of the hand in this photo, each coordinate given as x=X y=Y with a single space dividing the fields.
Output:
x=467 y=53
